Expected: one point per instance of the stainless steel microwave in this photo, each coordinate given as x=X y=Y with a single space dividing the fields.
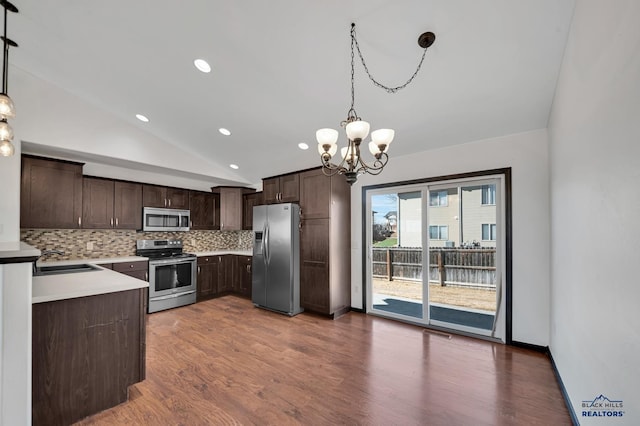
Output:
x=157 y=219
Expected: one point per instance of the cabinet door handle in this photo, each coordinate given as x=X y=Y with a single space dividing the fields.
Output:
x=169 y=202
x=116 y=222
x=146 y=276
x=111 y=222
x=165 y=202
x=249 y=268
x=198 y=269
x=79 y=220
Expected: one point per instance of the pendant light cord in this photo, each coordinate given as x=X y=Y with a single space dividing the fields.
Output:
x=352 y=115
x=364 y=65
x=5 y=55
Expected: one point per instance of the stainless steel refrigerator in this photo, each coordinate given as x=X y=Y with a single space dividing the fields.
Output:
x=276 y=258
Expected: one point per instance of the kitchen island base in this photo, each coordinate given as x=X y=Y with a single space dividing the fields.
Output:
x=87 y=351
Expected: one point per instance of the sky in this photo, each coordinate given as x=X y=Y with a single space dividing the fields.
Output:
x=382 y=204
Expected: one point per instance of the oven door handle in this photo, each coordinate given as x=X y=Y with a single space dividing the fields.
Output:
x=171 y=261
x=173 y=296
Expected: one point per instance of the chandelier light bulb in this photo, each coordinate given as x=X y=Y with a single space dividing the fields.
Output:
x=6 y=132
x=358 y=129
x=333 y=148
x=326 y=136
x=375 y=149
x=350 y=154
x=7 y=110
x=6 y=149
x=382 y=136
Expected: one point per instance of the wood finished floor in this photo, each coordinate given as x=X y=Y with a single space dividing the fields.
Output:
x=224 y=362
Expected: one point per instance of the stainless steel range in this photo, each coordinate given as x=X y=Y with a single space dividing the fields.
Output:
x=172 y=274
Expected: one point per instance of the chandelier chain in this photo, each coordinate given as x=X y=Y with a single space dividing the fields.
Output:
x=364 y=65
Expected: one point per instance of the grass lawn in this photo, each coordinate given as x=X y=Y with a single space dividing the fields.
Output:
x=389 y=242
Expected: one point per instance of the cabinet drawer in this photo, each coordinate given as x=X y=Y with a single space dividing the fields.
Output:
x=205 y=260
x=141 y=265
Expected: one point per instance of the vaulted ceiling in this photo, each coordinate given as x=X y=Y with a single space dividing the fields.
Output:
x=280 y=71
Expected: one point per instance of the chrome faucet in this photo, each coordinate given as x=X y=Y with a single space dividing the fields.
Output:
x=45 y=253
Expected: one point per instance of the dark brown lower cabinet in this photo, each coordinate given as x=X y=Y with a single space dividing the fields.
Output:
x=223 y=274
x=227 y=274
x=325 y=285
x=137 y=269
x=314 y=266
x=207 y=279
x=87 y=351
x=243 y=275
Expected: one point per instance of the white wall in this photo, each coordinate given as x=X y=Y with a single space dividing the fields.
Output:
x=595 y=197
x=10 y=196
x=527 y=155
x=15 y=303
x=15 y=355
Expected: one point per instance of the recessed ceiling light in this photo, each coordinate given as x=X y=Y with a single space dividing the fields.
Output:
x=224 y=131
x=234 y=166
x=303 y=145
x=202 y=65
x=142 y=118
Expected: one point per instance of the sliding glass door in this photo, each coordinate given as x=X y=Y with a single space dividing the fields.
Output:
x=396 y=254
x=435 y=254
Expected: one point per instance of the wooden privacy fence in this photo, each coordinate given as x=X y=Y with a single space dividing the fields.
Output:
x=465 y=267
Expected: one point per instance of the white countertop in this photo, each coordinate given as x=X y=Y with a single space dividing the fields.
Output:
x=48 y=288
x=17 y=249
x=223 y=252
x=100 y=261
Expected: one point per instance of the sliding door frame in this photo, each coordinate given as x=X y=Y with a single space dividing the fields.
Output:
x=508 y=267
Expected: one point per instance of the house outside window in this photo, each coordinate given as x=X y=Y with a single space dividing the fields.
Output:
x=488 y=195
x=438 y=232
x=488 y=231
x=438 y=199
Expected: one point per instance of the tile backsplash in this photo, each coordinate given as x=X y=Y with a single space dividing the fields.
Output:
x=99 y=243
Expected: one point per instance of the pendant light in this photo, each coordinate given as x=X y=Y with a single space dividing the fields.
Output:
x=7 y=109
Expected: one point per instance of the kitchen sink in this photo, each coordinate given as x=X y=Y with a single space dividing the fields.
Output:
x=64 y=269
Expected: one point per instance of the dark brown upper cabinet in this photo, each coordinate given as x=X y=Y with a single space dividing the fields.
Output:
x=50 y=194
x=165 y=197
x=203 y=210
x=231 y=206
x=248 y=201
x=110 y=204
x=315 y=194
x=281 y=189
x=127 y=205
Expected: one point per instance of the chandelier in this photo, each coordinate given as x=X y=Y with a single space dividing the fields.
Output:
x=7 y=109
x=357 y=129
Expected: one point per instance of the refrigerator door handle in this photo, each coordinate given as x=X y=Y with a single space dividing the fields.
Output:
x=265 y=244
